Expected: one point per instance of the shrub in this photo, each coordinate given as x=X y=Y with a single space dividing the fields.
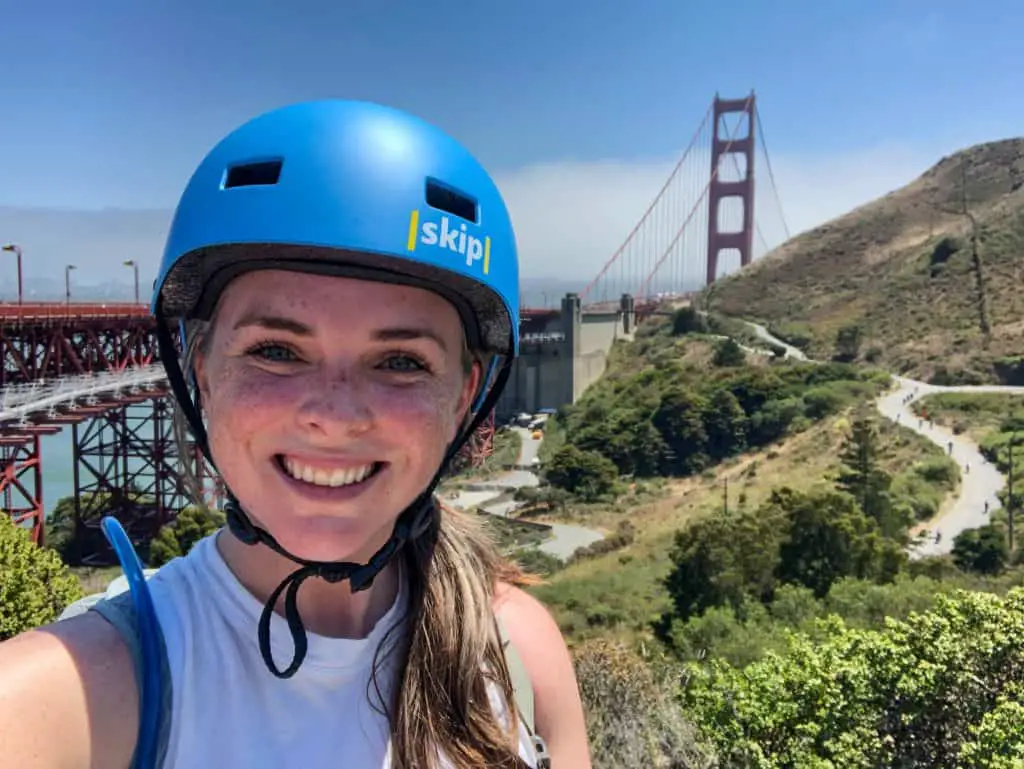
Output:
x=35 y=585
x=180 y=535
x=632 y=717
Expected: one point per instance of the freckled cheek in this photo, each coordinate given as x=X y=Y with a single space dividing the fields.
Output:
x=421 y=410
x=244 y=401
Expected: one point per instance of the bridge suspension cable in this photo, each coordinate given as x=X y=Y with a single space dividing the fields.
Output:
x=771 y=176
x=662 y=257
x=668 y=197
x=643 y=290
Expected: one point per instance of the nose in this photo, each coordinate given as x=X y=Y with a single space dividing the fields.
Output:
x=336 y=404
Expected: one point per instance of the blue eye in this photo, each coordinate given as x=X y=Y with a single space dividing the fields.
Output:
x=272 y=352
x=403 y=364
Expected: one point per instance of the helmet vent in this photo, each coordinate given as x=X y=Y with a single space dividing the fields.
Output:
x=451 y=201
x=262 y=174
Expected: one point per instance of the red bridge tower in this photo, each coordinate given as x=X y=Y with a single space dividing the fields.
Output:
x=721 y=149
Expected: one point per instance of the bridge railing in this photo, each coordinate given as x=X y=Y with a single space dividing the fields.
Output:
x=54 y=311
x=18 y=401
x=542 y=338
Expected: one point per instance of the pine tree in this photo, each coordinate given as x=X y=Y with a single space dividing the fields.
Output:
x=863 y=478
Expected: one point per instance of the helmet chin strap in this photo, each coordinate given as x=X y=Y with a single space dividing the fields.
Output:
x=412 y=523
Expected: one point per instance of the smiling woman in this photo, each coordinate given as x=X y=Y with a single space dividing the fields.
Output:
x=333 y=381
x=333 y=365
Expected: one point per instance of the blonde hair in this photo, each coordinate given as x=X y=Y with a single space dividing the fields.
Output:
x=451 y=654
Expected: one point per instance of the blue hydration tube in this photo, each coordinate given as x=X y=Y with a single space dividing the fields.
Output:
x=149 y=640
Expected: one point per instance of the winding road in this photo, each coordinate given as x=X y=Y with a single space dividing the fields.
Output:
x=972 y=507
x=565 y=540
x=979 y=486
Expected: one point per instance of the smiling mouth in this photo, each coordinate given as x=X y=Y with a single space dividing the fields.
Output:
x=337 y=478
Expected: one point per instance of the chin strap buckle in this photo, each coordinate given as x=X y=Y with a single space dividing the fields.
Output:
x=541 y=748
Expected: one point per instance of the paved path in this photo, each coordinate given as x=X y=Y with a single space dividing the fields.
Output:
x=766 y=335
x=565 y=540
x=530 y=447
x=980 y=485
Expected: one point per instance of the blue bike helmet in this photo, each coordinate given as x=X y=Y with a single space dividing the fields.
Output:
x=349 y=189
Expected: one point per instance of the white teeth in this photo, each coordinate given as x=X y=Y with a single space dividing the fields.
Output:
x=317 y=477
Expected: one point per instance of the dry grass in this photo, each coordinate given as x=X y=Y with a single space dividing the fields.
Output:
x=973 y=414
x=617 y=594
x=633 y=718
x=873 y=267
x=95 y=580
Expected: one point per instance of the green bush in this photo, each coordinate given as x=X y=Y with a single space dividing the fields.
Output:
x=984 y=550
x=671 y=418
x=728 y=353
x=687 y=320
x=939 y=689
x=179 y=536
x=587 y=474
x=35 y=585
x=537 y=561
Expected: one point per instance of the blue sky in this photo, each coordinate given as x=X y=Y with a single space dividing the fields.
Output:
x=112 y=103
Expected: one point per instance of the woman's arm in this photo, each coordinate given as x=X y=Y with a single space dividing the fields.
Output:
x=558 y=711
x=68 y=697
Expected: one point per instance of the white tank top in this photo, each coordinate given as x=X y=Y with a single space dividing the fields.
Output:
x=228 y=711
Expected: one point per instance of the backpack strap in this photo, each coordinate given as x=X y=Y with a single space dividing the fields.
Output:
x=522 y=690
x=119 y=611
x=134 y=617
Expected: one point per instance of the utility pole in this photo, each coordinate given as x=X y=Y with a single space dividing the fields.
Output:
x=979 y=271
x=1009 y=496
x=725 y=496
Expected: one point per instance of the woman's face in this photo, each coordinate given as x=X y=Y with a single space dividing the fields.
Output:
x=330 y=403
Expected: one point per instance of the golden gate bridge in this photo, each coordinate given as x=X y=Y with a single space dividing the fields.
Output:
x=93 y=368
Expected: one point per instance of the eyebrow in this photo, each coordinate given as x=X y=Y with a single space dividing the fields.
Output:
x=274 y=323
x=291 y=326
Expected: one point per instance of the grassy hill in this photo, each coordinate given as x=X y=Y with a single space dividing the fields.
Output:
x=903 y=271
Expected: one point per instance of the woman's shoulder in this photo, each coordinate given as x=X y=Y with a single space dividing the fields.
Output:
x=530 y=627
x=514 y=606
x=77 y=679
x=558 y=711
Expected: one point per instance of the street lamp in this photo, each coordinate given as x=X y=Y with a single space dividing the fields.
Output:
x=135 y=266
x=67 y=282
x=16 y=250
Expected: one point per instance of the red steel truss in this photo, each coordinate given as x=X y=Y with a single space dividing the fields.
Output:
x=48 y=341
x=479 y=446
x=21 y=481
x=127 y=464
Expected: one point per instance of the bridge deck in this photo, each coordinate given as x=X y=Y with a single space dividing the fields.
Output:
x=50 y=311
x=18 y=402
